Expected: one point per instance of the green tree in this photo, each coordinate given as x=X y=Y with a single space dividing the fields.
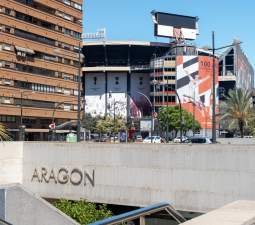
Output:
x=237 y=109
x=3 y=133
x=89 y=122
x=108 y=125
x=82 y=211
x=169 y=118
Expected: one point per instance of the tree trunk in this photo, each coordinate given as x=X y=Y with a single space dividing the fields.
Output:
x=241 y=127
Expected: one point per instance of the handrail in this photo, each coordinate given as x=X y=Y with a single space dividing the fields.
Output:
x=125 y=217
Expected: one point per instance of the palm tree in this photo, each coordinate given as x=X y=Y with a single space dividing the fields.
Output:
x=237 y=108
x=3 y=133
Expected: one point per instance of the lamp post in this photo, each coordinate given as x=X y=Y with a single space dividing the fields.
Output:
x=213 y=49
x=152 y=111
x=79 y=98
x=22 y=127
x=180 y=114
x=53 y=117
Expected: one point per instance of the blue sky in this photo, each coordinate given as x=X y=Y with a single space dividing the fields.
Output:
x=131 y=20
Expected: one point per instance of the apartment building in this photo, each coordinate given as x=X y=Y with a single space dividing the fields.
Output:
x=39 y=64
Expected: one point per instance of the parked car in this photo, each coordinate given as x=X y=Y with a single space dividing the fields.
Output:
x=115 y=138
x=200 y=140
x=138 y=138
x=178 y=139
x=97 y=138
x=153 y=139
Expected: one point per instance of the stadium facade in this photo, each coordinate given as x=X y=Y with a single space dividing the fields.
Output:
x=39 y=64
x=235 y=71
x=129 y=78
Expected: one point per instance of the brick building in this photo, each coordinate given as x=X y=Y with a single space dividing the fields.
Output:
x=39 y=64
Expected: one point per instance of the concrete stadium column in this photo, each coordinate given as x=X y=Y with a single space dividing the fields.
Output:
x=106 y=90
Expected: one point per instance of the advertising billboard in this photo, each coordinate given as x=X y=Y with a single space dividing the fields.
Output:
x=175 y=26
x=194 y=86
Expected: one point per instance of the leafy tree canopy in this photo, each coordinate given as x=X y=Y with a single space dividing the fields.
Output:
x=89 y=122
x=109 y=125
x=83 y=212
x=4 y=134
x=170 y=116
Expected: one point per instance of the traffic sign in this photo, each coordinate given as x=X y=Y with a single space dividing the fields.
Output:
x=155 y=114
x=52 y=126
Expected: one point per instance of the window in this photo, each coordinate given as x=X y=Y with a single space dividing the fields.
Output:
x=67 y=107
x=141 y=80
x=66 y=77
x=8 y=29
x=170 y=69
x=6 y=47
x=76 y=63
x=67 y=17
x=6 y=100
x=4 y=118
x=77 y=35
x=67 y=91
x=67 y=61
x=7 y=65
x=76 y=49
x=67 y=2
x=117 y=80
x=95 y=80
x=8 y=11
x=7 y=81
x=77 y=6
x=67 y=31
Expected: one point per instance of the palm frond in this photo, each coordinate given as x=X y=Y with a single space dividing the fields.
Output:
x=4 y=136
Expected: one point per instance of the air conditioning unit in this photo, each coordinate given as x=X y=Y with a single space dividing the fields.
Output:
x=59 y=90
x=67 y=107
x=7 y=101
x=67 y=92
x=9 y=82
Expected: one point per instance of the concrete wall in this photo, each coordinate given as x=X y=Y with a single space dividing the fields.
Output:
x=191 y=177
x=236 y=213
x=11 y=162
x=22 y=207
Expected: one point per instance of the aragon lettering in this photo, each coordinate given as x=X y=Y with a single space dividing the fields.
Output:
x=63 y=176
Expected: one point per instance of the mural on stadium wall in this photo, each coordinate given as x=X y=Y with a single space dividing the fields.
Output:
x=95 y=94
x=96 y=97
x=194 y=82
x=140 y=86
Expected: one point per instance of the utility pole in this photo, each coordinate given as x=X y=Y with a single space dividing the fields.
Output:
x=22 y=127
x=213 y=49
x=79 y=98
x=21 y=118
x=213 y=93
x=154 y=102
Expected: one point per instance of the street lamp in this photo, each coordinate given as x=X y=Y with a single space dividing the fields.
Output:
x=22 y=127
x=53 y=118
x=152 y=110
x=79 y=97
x=213 y=49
